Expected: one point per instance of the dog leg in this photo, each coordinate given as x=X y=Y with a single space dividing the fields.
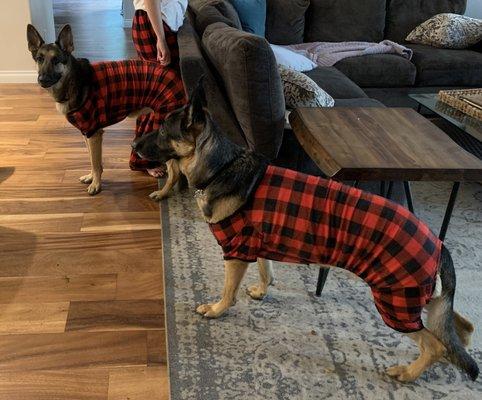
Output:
x=86 y=178
x=173 y=173
x=258 y=292
x=234 y=271
x=95 y=150
x=431 y=350
x=464 y=328
x=142 y=111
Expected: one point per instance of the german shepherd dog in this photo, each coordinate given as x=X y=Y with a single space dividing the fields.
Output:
x=226 y=176
x=93 y=96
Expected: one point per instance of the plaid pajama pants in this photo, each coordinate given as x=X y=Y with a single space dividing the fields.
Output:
x=145 y=43
x=298 y=218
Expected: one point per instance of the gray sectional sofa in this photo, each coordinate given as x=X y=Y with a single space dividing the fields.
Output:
x=245 y=92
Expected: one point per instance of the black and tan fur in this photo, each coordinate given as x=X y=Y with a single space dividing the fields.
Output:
x=68 y=79
x=224 y=174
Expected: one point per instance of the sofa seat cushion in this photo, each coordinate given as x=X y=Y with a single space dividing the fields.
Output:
x=248 y=69
x=379 y=70
x=444 y=67
x=403 y=16
x=358 y=103
x=345 y=20
x=335 y=83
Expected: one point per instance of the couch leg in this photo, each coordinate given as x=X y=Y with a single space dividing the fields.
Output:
x=322 y=275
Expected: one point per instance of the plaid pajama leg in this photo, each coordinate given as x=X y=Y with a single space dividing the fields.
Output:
x=145 y=43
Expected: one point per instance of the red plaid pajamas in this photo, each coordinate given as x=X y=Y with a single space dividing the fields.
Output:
x=298 y=218
x=121 y=87
x=145 y=43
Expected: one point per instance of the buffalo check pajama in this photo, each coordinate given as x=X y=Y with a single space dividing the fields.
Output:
x=120 y=87
x=298 y=218
x=145 y=43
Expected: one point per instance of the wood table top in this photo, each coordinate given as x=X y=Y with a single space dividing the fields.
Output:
x=381 y=144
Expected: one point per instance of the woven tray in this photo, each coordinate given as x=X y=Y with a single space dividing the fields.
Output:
x=453 y=99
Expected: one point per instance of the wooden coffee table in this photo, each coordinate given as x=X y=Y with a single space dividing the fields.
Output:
x=383 y=144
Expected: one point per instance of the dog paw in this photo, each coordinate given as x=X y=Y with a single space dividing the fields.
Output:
x=86 y=178
x=94 y=188
x=158 y=195
x=401 y=373
x=256 y=293
x=209 y=310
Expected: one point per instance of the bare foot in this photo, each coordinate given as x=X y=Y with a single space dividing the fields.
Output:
x=158 y=172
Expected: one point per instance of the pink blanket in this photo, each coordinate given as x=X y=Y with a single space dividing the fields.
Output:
x=327 y=54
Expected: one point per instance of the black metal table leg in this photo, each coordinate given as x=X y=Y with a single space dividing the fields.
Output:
x=322 y=275
x=382 y=188
x=389 y=190
x=448 y=211
x=408 y=195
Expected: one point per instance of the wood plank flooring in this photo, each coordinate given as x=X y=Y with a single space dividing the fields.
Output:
x=81 y=290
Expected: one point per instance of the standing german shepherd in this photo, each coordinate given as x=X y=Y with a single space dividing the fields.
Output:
x=93 y=96
x=259 y=212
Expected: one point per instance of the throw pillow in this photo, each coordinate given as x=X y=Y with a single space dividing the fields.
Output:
x=290 y=59
x=450 y=31
x=252 y=14
x=301 y=91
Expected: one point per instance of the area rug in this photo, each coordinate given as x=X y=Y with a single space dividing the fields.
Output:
x=293 y=345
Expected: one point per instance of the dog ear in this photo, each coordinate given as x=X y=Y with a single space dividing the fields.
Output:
x=196 y=114
x=65 y=40
x=34 y=40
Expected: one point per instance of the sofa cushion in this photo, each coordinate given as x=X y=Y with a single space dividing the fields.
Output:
x=248 y=68
x=216 y=11
x=345 y=20
x=335 y=83
x=285 y=21
x=358 y=103
x=444 y=67
x=379 y=70
x=403 y=16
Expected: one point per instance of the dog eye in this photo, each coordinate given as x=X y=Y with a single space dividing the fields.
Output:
x=40 y=59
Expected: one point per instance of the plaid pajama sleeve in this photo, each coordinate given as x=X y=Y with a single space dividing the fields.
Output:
x=298 y=218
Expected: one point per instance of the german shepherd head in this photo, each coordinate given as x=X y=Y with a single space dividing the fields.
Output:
x=52 y=59
x=66 y=77
x=224 y=172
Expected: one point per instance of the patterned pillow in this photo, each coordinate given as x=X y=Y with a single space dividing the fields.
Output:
x=450 y=31
x=301 y=91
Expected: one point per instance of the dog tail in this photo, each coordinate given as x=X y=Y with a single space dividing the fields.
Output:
x=441 y=320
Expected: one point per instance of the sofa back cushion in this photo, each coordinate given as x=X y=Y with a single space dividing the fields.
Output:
x=345 y=20
x=247 y=66
x=405 y=15
x=210 y=11
x=285 y=21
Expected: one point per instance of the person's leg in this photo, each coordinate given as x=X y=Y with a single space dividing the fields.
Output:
x=145 y=40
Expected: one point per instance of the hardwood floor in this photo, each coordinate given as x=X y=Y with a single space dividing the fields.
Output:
x=81 y=291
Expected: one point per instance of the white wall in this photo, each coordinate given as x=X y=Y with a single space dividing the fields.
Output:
x=16 y=64
x=474 y=8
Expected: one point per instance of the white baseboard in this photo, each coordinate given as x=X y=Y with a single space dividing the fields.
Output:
x=127 y=23
x=18 y=76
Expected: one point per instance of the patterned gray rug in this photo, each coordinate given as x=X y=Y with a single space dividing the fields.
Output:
x=293 y=345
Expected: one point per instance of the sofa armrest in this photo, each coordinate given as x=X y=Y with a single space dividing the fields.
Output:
x=194 y=66
x=249 y=71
